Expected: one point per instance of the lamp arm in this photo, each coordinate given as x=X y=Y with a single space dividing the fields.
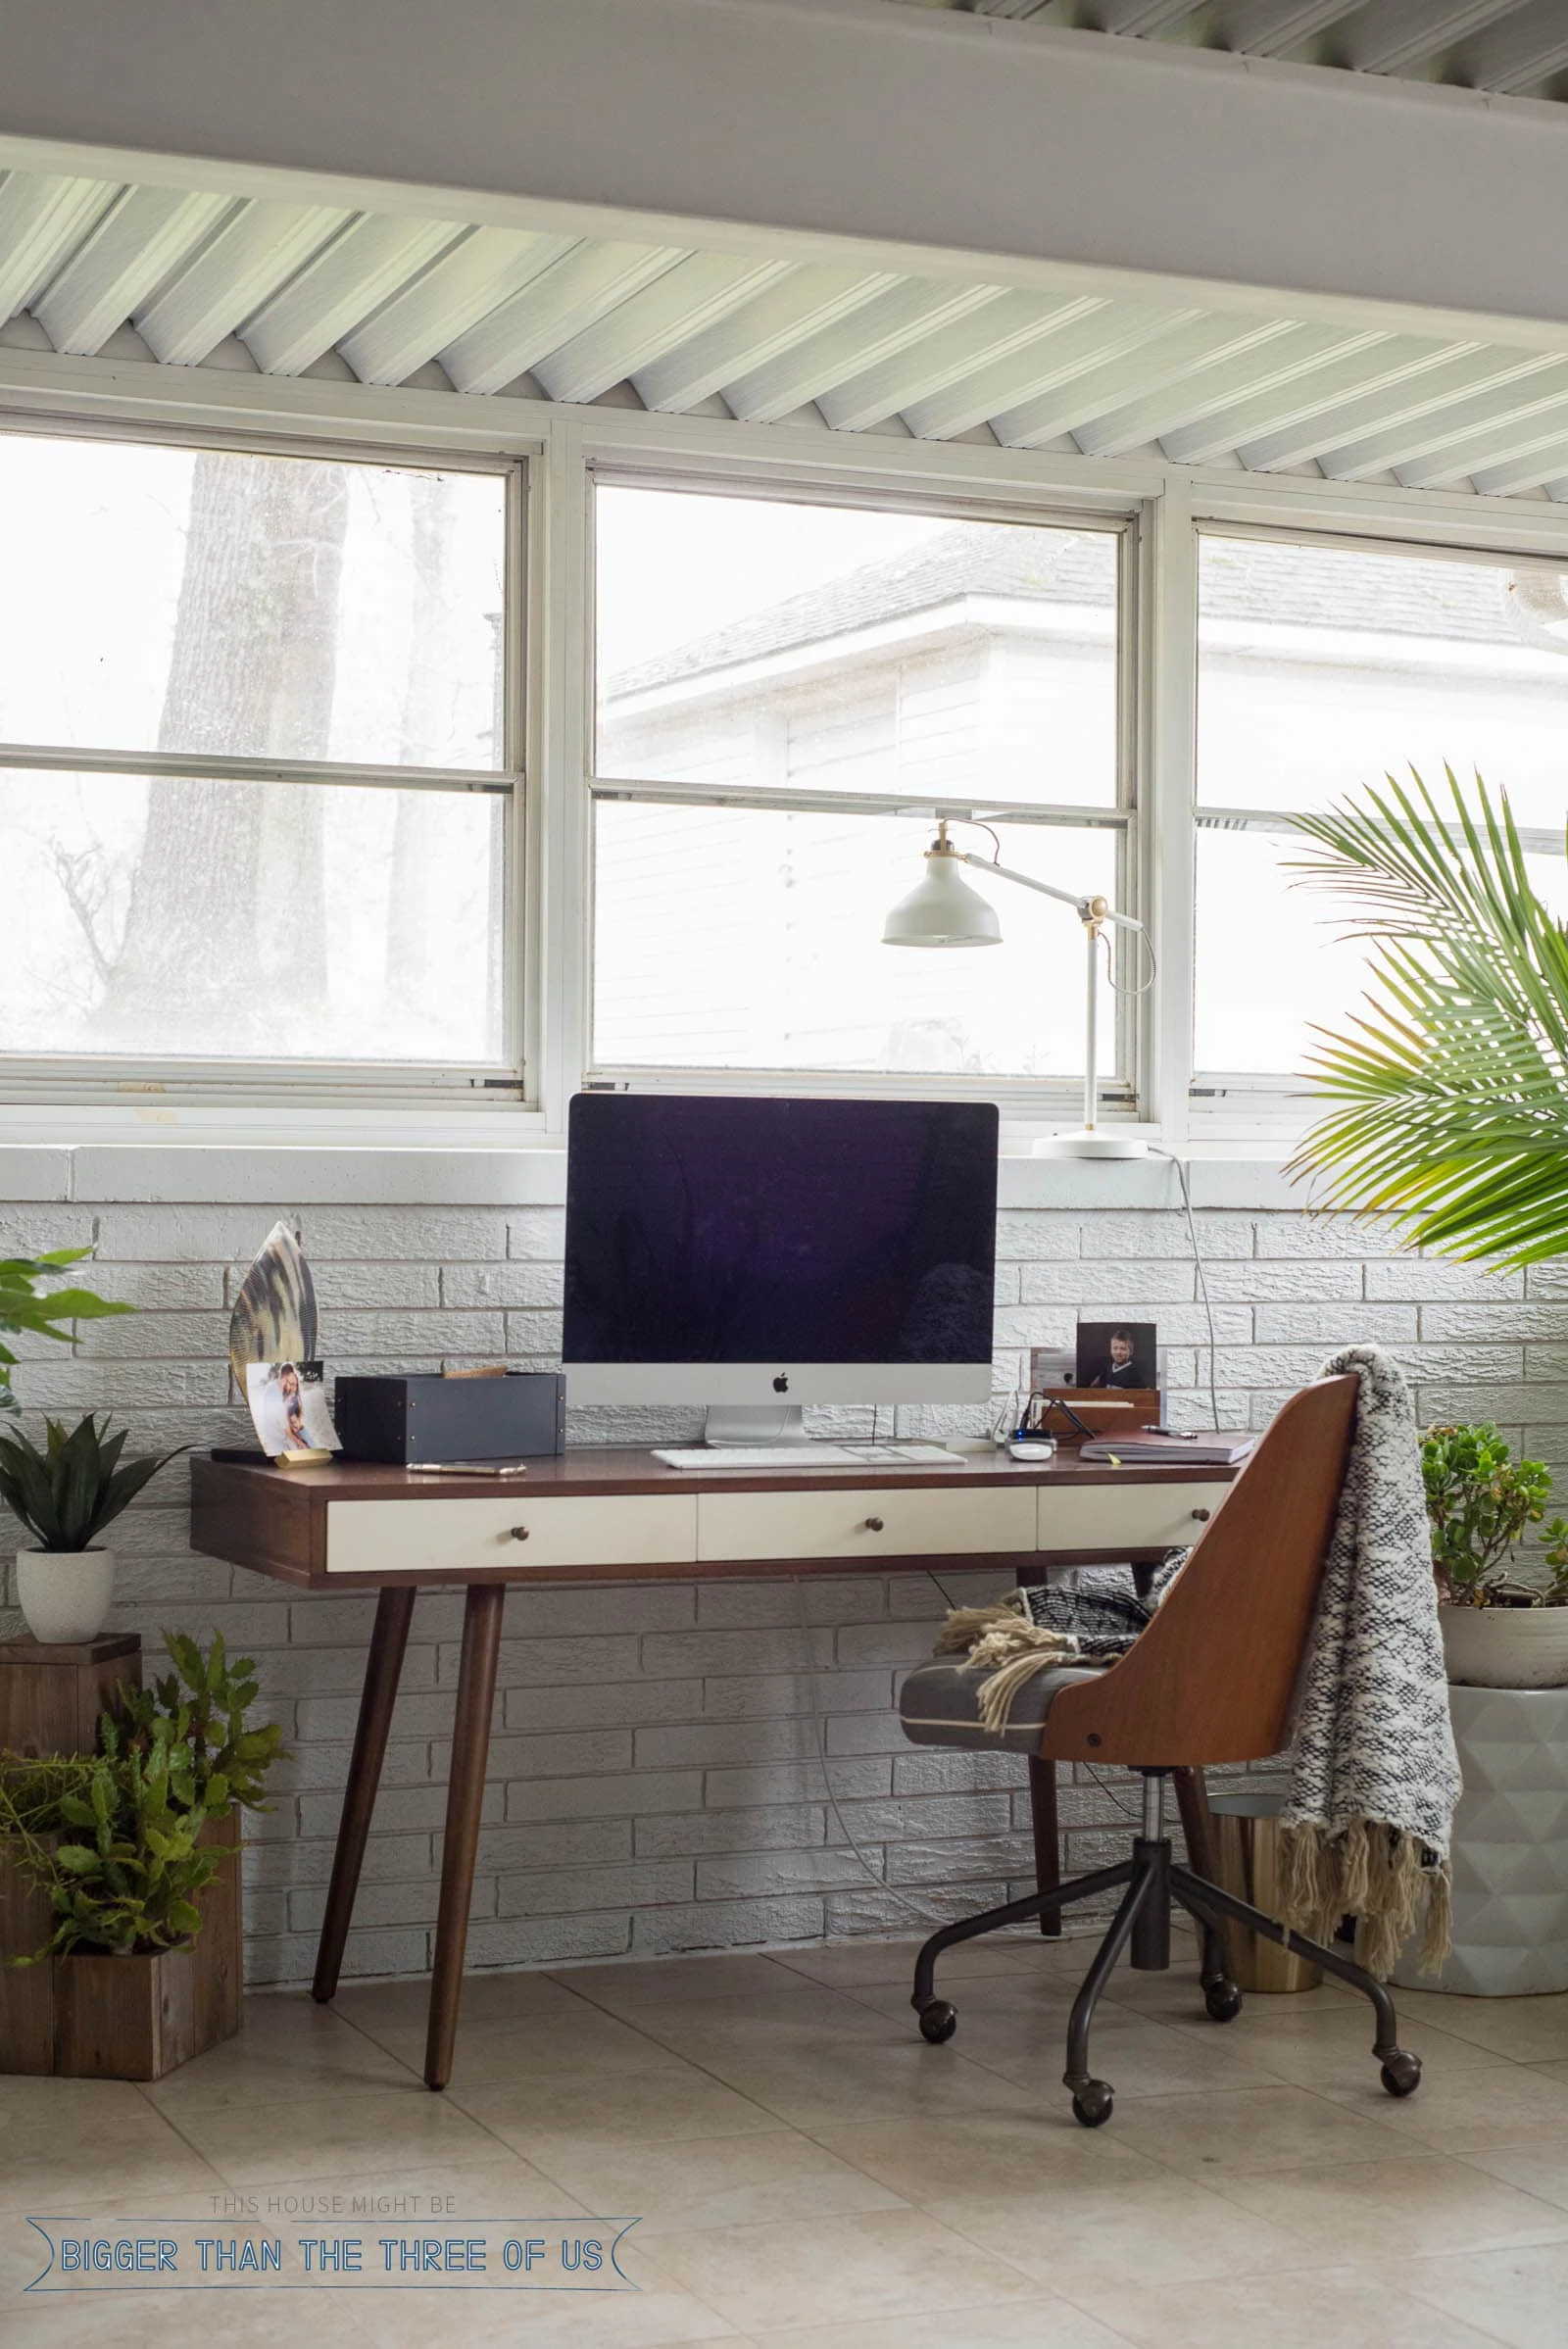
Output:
x=1086 y=908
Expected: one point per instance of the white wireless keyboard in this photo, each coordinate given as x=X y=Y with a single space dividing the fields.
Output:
x=808 y=1457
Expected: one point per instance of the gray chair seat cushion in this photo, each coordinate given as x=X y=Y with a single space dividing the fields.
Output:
x=938 y=1704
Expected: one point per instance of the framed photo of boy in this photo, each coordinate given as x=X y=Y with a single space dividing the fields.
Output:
x=1116 y=1353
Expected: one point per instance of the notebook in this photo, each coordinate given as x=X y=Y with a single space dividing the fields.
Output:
x=1211 y=1447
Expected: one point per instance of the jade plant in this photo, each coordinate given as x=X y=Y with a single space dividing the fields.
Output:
x=1480 y=1503
x=114 y=1837
x=29 y=1305
x=68 y=1493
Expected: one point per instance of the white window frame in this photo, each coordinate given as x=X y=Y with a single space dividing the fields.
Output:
x=548 y=689
x=1021 y=1100
x=27 y=1079
x=1226 y=1104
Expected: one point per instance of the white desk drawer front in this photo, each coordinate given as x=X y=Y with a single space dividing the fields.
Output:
x=1123 y=1517
x=842 y=1523
x=455 y=1536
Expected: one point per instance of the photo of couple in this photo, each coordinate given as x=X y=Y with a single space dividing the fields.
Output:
x=288 y=1405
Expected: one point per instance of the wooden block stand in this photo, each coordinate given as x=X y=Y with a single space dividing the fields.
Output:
x=104 y=2017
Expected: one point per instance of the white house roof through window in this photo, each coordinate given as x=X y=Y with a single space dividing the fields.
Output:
x=171 y=276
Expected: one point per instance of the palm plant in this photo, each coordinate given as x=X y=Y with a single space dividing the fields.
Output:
x=1453 y=1087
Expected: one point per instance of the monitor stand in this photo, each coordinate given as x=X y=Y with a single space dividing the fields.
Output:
x=755 y=1422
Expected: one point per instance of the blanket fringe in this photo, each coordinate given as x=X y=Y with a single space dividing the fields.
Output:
x=1372 y=1872
x=1000 y=1641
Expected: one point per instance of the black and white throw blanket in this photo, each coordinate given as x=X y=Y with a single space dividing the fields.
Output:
x=1373 y=1776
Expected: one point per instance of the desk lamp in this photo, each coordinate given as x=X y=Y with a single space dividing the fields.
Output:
x=943 y=910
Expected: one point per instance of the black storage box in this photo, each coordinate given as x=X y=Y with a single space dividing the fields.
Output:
x=427 y=1417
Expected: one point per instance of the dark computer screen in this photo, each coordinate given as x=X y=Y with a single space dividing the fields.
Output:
x=701 y=1230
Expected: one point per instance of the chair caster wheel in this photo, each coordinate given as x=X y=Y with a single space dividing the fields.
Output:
x=1402 y=2074
x=1092 y=2103
x=1222 y=1999
x=938 y=2021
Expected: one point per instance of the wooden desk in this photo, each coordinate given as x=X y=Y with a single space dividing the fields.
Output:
x=622 y=1516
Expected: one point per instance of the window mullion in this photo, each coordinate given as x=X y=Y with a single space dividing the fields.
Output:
x=1170 y=637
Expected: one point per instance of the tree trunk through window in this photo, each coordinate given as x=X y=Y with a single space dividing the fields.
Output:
x=233 y=871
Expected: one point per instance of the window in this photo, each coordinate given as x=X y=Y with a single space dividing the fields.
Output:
x=1321 y=667
x=254 y=780
x=785 y=692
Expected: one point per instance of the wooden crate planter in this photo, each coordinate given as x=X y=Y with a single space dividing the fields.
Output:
x=104 y=2017
x=88 y=2017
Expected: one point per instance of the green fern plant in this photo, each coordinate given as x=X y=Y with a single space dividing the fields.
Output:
x=1453 y=1087
x=116 y=1838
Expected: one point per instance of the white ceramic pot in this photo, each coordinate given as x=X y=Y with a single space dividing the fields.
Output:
x=65 y=1594
x=1505 y=1647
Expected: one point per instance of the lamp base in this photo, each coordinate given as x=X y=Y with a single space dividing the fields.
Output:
x=1091 y=1146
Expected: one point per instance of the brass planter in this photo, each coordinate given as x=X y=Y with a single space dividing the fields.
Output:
x=1247 y=1862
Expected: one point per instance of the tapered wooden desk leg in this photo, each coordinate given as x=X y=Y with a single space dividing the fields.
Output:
x=1048 y=1841
x=1192 y=1801
x=471 y=1749
x=382 y=1669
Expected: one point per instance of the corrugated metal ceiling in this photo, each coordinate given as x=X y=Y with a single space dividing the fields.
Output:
x=191 y=279
x=1517 y=47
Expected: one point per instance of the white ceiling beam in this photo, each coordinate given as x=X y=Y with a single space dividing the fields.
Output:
x=346 y=283
x=1537 y=469
x=1522 y=53
x=773 y=322
x=1153 y=414
x=1494 y=451
x=458 y=287
x=1168 y=359
x=1013 y=323
x=685 y=300
x=252 y=254
x=581 y=287
x=1392 y=35
x=1270 y=27
x=146 y=233
x=1406 y=448
x=1413 y=394
x=1107 y=334
x=41 y=219
x=1296 y=407
x=891 y=323
x=1143 y=16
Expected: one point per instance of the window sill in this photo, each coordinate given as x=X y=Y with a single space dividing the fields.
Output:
x=264 y=1174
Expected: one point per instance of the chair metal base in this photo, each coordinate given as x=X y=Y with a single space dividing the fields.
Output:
x=1151 y=1879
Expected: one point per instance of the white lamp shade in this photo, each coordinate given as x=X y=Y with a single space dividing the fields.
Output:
x=943 y=910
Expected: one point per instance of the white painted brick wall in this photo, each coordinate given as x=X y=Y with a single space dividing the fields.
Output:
x=655 y=1781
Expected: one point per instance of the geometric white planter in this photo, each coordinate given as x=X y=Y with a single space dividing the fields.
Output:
x=1505 y=1647
x=65 y=1596
x=1510 y=1848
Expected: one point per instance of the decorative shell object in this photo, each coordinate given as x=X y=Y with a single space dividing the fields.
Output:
x=275 y=1313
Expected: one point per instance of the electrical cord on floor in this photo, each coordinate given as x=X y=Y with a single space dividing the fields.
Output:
x=914 y=1908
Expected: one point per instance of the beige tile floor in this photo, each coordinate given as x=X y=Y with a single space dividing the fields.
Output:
x=809 y=2175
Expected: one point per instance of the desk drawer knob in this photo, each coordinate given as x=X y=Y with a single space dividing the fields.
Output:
x=1202 y=1515
x=517 y=1532
x=873 y=1525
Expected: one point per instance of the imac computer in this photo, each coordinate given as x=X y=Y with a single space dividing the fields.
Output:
x=754 y=1255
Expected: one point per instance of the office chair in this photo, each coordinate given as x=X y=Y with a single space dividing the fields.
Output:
x=1210 y=1681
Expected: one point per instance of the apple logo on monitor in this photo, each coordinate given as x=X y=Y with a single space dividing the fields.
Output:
x=781 y=1385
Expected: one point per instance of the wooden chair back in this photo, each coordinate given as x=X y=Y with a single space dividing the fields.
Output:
x=1212 y=1678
